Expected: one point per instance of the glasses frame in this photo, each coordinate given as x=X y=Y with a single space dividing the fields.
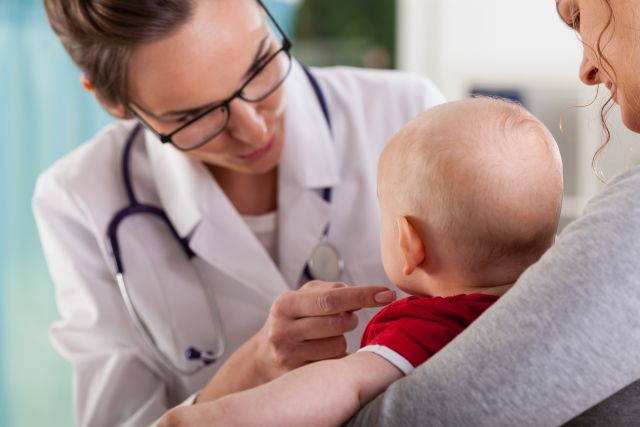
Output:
x=167 y=138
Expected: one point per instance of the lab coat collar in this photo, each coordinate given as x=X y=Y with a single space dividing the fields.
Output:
x=197 y=206
x=308 y=160
x=179 y=180
x=309 y=164
x=309 y=153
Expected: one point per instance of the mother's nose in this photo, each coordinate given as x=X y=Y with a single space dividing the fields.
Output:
x=589 y=73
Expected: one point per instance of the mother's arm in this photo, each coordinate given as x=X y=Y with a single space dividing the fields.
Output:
x=566 y=337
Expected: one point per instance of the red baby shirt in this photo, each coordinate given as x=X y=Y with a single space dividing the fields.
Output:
x=409 y=331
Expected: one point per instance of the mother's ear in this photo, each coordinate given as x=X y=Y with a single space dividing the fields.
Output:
x=119 y=111
x=412 y=247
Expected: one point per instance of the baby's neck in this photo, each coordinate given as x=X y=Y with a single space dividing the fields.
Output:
x=484 y=289
x=449 y=282
x=450 y=288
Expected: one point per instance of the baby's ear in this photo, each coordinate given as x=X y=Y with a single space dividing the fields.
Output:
x=411 y=245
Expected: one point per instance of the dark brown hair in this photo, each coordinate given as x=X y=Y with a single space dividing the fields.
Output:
x=608 y=105
x=101 y=35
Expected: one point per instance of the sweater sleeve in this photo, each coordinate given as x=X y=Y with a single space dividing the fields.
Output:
x=563 y=339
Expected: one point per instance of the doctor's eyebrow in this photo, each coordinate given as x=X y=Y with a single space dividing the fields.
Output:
x=254 y=64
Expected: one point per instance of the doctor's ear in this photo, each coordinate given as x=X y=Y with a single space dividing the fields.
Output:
x=119 y=112
x=411 y=245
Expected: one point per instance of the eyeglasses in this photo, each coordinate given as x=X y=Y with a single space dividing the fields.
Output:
x=269 y=74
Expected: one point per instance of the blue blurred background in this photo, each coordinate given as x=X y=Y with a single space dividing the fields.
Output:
x=44 y=113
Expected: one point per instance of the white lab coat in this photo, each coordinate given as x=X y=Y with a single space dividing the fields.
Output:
x=118 y=380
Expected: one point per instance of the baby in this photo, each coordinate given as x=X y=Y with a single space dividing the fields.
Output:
x=470 y=195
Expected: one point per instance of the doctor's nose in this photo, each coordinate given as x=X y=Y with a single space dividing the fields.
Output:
x=589 y=73
x=246 y=123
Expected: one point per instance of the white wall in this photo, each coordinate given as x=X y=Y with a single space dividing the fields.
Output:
x=523 y=45
x=457 y=42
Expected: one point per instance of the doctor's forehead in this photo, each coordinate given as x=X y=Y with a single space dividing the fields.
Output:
x=202 y=62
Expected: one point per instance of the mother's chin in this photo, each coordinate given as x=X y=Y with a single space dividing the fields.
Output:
x=630 y=112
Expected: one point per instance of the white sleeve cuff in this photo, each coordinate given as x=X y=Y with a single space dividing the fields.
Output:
x=394 y=358
x=187 y=402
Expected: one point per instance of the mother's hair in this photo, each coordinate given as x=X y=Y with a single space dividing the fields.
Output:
x=604 y=64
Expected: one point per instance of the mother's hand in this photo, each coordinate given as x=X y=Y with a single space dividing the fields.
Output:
x=303 y=326
x=309 y=325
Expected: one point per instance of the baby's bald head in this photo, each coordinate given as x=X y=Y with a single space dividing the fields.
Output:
x=482 y=176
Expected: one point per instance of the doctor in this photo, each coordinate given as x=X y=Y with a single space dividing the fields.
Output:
x=182 y=239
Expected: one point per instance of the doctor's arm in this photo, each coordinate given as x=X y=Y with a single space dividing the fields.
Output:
x=303 y=326
x=564 y=338
x=320 y=394
x=114 y=383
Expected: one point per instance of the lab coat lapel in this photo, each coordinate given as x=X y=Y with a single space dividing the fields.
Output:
x=198 y=207
x=225 y=241
x=178 y=180
x=308 y=165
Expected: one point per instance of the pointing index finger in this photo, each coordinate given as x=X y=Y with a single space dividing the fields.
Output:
x=338 y=300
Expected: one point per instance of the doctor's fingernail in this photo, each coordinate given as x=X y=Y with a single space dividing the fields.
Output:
x=385 y=296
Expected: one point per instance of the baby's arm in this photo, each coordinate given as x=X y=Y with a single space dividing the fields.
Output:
x=324 y=393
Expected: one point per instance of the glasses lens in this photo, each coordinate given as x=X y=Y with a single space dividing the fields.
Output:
x=202 y=130
x=269 y=78
x=263 y=84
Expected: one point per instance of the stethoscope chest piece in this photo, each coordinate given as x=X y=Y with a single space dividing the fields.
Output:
x=325 y=263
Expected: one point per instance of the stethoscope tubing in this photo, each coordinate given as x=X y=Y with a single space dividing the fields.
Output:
x=134 y=208
x=147 y=337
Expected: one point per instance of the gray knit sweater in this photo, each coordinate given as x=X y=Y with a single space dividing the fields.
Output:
x=563 y=339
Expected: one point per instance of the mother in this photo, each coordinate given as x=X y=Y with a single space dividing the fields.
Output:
x=258 y=163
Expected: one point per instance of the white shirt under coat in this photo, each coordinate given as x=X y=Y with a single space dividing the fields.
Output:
x=117 y=379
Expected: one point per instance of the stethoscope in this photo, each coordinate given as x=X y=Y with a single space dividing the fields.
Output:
x=325 y=262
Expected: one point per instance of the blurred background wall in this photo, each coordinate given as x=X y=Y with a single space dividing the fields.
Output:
x=44 y=113
x=518 y=49
x=514 y=48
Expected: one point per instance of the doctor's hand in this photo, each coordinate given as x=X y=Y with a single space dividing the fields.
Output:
x=309 y=324
x=303 y=326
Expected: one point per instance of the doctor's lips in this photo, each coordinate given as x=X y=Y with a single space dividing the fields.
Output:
x=260 y=152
